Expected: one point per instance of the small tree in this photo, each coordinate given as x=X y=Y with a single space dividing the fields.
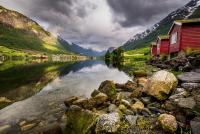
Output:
x=108 y=55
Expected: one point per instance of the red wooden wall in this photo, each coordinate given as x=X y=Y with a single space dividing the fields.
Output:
x=175 y=47
x=164 y=46
x=190 y=37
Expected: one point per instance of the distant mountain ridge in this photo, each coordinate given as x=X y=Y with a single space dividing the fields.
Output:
x=190 y=10
x=80 y=50
x=21 y=33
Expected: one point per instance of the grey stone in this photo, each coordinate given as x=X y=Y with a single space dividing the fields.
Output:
x=132 y=120
x=191 y=86
x=190 y=77
x=112 y=108
x=195 y=125
x=146 y=100
x=186 y=102
x=178 y=95
x=108 y=123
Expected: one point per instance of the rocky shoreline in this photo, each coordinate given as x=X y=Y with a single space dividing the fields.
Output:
x=162 y=103
x=159 y=104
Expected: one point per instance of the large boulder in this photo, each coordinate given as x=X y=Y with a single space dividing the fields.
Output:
x=108 y=88
x=168 y=122
x=108 y=123
x=80 y=121
x=161 y=84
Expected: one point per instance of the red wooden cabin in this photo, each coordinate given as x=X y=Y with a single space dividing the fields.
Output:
x=153 y=49
x=162 y=45
x=184 y=34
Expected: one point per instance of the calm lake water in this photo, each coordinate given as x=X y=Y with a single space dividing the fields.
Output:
x=20 y=80
x=39 y=89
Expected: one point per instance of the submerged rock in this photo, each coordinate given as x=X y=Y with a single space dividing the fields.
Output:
x=168 y=122
x=108 y=123
x=161 y=84
x=108 y=88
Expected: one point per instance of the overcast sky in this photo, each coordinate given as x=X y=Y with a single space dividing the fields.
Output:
x=96 y=24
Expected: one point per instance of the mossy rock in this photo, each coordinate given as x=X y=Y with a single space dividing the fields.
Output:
x=80 y=121
x=108 y=88
x=168 y=122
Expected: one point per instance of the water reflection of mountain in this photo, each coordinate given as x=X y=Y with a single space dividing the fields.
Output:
x=20 y=80
x=78 y=66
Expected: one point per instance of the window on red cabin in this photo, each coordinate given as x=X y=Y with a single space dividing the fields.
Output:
x=174 y=38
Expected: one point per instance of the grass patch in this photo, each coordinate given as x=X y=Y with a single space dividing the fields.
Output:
x=19 y=39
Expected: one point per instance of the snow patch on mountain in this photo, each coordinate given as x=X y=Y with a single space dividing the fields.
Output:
x=185 y=12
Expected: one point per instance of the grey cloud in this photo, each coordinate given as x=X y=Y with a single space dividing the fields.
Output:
x=69 y=18
x=141 y=12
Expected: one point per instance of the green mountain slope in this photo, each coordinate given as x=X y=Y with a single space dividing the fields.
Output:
x=190 y=10
x=21 y=33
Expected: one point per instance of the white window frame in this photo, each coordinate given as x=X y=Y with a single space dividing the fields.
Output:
x=174 y=38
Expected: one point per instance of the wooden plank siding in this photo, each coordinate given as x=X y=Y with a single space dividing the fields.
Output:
x=176 y=46
x=190 y=37
x=164 y=47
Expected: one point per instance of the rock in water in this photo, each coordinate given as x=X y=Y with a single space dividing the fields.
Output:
x=168 y=122
x=108 y=123
x=108 y=88
x=80 y=121
x=161 y=84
